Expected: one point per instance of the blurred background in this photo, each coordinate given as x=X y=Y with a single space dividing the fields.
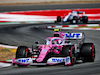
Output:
x=2 y=2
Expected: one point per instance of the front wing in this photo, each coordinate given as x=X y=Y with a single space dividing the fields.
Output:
x=50 y=61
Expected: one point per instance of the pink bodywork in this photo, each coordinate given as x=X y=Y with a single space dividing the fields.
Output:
x=61 y=34
x=45 y=49
x=49 y=47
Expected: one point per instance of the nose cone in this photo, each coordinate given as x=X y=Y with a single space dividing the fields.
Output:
x=42 y=55
x=39 y=60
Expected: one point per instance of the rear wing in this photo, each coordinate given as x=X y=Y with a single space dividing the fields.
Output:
x=81 y=12
x=74 y=36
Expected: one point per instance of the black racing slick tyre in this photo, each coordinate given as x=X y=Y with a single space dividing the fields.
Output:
x=58 y=19
x=85 y=19
x=75 y=20
x=69 y=51
x=88 y=52
x=22 y=52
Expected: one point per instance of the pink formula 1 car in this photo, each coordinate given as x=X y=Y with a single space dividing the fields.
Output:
x=62 y=48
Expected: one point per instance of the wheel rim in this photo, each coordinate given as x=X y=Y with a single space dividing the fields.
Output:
x=74 y=21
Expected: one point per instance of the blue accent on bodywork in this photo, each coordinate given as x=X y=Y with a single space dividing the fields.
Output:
x=73 y=35
x=23 y=60
x=58 y=60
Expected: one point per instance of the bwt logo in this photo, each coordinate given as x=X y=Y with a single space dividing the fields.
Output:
x=58 y=60
x=73 y=35
x=23 y=60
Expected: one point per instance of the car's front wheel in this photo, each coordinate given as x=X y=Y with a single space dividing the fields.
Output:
x=22 y=52
x=69 y=51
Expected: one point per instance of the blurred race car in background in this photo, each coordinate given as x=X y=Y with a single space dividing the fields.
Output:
x=62 y=48
x=73 y=17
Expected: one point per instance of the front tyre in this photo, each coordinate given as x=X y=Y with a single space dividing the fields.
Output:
x=22 y=52
x=69 y=51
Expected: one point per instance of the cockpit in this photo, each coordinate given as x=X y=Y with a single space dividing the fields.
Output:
x=52 y=41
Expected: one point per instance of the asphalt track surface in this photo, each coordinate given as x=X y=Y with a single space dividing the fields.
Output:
x=27 y=35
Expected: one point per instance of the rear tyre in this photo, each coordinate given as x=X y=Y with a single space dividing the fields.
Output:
x=69 y=51
x=85 y=19
x=75 y=20
x=22 y=52
x=88 y=52
x=58 y=19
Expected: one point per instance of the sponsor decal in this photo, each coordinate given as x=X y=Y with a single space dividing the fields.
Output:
x=74 y=35
x=67 y=61
x=23 y=60
x=58 y=60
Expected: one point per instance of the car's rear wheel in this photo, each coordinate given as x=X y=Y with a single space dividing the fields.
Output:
x=88 y=52
x=85 y=19
x=75 y=20
x=22 y=52
x=69 y=51
x=58 y=19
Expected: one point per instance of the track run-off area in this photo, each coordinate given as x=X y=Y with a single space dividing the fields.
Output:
x=28 y=34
